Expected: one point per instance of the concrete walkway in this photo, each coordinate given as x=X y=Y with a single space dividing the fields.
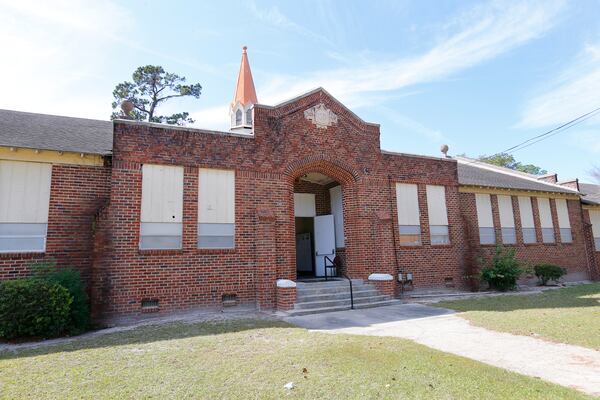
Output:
x=441 y=329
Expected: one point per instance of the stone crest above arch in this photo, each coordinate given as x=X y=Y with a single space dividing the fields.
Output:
x=339 y=170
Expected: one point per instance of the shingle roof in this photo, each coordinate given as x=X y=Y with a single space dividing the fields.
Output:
x=476 y=173
x=52 y=132
x=591 y=192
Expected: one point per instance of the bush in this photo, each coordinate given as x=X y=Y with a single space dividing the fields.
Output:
x=32 y=307
x=549 y=272
x=503 y=271
x=70 y=279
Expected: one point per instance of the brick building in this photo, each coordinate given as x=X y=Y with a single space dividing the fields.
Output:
x=162 y=217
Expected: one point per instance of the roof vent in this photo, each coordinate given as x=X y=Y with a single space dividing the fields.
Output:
x=444 y=149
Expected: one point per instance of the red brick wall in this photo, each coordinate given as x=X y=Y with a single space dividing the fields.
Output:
x=76 y=194
x=268 y=165
x=572 y=256
x=285 y=147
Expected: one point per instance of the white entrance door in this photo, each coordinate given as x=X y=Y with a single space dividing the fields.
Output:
x=324 y=242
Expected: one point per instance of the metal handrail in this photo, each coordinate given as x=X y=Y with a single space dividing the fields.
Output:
x=345 y=276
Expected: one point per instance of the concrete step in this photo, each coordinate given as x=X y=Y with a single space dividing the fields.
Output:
x=302 y=297
x=297 y=313
x=340 y=302
x=328 y=284
x=314 y=290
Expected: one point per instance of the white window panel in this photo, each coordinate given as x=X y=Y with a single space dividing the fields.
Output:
x=410 y=235
x=566 y=236
x=15 y=238
x=304 y=205
x=436 y=205
x=337 y=209
x=562 y=212
x=162 y=193
x=162 y=207
x=24 y=192
x=545 y=212
x=505 y=209
x=160 y=235
x=595 y=220
x=509 y=235
x=526 y=212
x=487 y=235
x=529 y=235
x=439 y=234
x=407 y=201
x=548 y=235
x=216 y=209
x=216 y=236
x=216 y=196
x=483 y=204
x=24 y=205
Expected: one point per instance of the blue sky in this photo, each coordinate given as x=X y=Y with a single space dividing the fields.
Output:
x=479 y=76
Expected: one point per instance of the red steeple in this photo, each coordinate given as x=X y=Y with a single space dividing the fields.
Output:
x=244 y=91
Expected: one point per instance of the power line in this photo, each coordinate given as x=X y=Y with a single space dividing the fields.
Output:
x=545 y=135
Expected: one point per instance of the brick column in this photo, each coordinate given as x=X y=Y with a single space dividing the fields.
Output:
x=266 y=248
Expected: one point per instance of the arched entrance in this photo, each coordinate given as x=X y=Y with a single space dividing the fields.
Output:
x=321 y=200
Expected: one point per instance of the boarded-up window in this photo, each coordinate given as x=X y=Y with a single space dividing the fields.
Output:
x=162 y=207
x=305 y=205
x=216 y=209
x=595 y=220
x=527 y=223
x=546 y=220
x=438 y=215
x=564 y=223
x=408 y=214
x=24 y=203
x=507 y=219
x=337 y=209
x=485 y=219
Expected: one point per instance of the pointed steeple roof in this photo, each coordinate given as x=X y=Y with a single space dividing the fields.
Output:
x=244 y=91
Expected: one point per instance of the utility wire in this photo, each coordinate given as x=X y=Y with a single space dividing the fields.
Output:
x=545 y=135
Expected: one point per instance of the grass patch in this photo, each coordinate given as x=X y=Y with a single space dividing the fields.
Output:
x=570 y=315
x=255 y=359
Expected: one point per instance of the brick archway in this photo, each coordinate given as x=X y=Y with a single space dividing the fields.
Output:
x=347 y=177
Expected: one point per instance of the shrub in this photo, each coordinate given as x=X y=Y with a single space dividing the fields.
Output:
x=32 y=307
x=503 y=271
x=70 y=279
x=549 y=272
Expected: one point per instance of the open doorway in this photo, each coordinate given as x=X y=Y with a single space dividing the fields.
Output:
x=319 y=224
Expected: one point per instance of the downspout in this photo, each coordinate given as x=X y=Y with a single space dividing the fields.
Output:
x=585 y=243
x=394 y=229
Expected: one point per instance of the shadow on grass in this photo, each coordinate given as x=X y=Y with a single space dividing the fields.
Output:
x=139 y=335
x=572 y=297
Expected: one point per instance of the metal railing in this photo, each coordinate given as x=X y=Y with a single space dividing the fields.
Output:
x=333 y=265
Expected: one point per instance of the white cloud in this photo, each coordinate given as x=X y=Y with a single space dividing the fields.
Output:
x=587 y=140
x=274 y=17
x=57 y=55
x=403 y=121
x=216 y=118
x=61 y=54
x=575 y=92
x=478 y=35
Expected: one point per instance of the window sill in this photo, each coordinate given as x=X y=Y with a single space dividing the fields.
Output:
x=149 y=252
x=215 y=251
x=29 y=254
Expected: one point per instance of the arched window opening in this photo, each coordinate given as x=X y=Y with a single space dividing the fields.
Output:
x=238 y=117
x=249 y=117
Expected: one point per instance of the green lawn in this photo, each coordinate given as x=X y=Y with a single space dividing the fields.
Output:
x=255 y=359
x=569 y=315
